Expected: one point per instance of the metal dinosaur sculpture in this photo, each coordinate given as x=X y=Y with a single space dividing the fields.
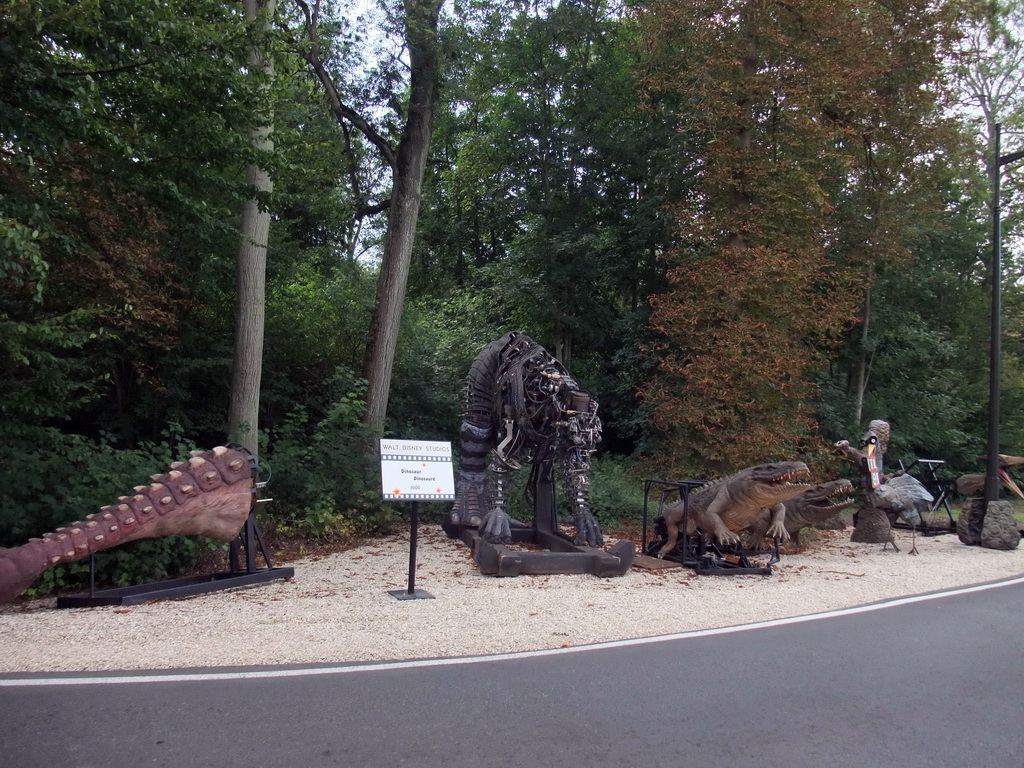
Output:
x=522 y=407
x=724 y=507
x=209 y=495
x=812 y=507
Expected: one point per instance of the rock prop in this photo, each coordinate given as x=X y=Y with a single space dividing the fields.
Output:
x=988 y=524
x=970 y=522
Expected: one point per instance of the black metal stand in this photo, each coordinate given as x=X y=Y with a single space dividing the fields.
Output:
x=412 y=593
x=940 y=489
x=693 y=551
x=559 y=554
x=248 y=538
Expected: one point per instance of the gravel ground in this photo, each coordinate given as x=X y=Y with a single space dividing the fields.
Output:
x=338 y=608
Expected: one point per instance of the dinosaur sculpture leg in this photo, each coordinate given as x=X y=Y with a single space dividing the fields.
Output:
x=472 y=479
x=577 y=487
x=496 y=526
x=210 y=495
x=477 y=437
x=673 y=517
x=777 y=523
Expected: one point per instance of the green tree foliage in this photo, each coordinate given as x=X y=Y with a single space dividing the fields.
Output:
x=122 y=130
x=776 y=174
x=547 y=190
x=112 y=182
x=926 y=350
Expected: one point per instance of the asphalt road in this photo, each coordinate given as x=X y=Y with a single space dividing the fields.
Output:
x=930 y=683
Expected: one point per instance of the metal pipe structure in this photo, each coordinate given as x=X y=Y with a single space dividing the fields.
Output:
x=992 y=482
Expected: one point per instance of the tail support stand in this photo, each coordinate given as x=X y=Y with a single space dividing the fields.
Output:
x=248 y=538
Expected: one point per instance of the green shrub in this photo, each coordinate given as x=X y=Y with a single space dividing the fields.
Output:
x=616 y=492
x=325 y=474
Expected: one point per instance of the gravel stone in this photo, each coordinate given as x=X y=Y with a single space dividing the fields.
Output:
x=338 y=609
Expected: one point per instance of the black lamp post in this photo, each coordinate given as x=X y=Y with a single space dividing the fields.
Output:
x=992 y=470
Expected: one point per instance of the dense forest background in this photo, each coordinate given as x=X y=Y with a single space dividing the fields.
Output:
x=748 y=227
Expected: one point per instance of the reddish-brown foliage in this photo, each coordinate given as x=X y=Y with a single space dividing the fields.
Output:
x=812 y=122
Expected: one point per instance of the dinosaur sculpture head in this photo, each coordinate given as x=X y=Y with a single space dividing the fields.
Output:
x=879 y=430
x=826 y=499
x=775 y=482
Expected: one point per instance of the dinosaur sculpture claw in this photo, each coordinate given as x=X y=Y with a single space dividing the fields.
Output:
x=496 y=527
x=209 y=495
x=588 y=532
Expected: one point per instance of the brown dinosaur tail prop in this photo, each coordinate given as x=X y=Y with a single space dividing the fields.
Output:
x=209 y=495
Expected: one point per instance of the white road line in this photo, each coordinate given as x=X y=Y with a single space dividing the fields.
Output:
x=260 y=674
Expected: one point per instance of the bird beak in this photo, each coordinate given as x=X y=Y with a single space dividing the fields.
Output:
x=1008 y=482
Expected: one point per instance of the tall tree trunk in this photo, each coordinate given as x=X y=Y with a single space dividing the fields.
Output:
x=250 y=277
x=864 y=363
x=421 y=18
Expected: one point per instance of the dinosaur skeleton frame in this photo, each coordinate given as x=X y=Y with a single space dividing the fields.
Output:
x=523 y=408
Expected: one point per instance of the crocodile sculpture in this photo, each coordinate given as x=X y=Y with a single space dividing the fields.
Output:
x=812 y=507
x=209 y=495
x=724 y=507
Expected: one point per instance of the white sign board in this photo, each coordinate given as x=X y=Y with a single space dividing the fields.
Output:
x=412 y=470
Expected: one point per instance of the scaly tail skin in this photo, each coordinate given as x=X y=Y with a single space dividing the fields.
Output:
x=209 y=495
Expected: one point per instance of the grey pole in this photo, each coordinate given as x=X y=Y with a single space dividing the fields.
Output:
x=992 y=470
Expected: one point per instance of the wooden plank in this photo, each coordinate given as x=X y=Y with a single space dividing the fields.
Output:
x=649 y=563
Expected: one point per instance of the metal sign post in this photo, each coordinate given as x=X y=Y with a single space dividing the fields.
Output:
x=415 y=470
